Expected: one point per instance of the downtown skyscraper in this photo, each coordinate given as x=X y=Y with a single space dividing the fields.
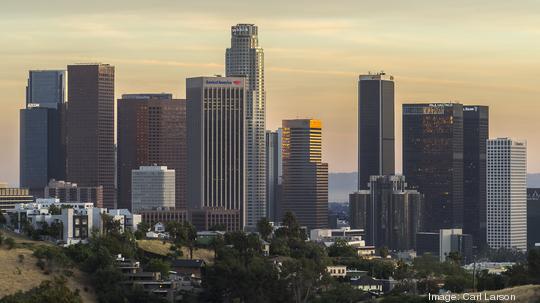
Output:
x=376 y=151
x=246 y=59
x=216 y=150
x=151 y=130
x=433 y=160
x=507 y=194
x=90 y=128
x=42 y=143
x=475 y=136
x=305 y=176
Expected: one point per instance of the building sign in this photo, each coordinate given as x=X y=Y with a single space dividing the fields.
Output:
x=533 y=194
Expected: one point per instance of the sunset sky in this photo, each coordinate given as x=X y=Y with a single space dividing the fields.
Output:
x=474 y=52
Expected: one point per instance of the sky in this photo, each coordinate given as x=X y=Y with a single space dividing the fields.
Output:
x=473 y=52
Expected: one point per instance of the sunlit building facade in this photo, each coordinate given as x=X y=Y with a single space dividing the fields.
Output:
x=507 y=194
x=245 y=58
x=305 y=175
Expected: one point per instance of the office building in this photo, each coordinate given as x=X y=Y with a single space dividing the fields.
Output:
x=246 y=59
x=90 y=128
x=376 y=151
x=305 y=176
x=433 y=160
x=273 y=174
x=151 y=130
x=152 y=187
x=533 y=217
x=216 y=147
x=67 y=192
x=42 y=144
x=390 y=214
x=9 y=197
x=507 y=194
x=475 y=136
x=46 y=88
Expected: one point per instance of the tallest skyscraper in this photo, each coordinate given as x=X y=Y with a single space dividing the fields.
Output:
x=246 y=59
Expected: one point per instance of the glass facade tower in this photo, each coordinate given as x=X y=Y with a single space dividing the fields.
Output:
x=246 y=59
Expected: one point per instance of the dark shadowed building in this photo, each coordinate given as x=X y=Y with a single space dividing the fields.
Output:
x=390 y=214
x=42 y=143
x=433 y=160
x=90 y=128
x=533 y=216
x=376 y=151
x=151 y=131
x=475 y=136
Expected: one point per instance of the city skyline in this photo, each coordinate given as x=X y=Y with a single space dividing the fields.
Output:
x=302 y=72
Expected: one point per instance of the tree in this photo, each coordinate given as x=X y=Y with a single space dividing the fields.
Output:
x=340 y=293
x=55 y=210
x=3 y=220
x=291 y=228
x=303 y=277
x=189 y=237
x=158 y=265
x=279 y=247
x=142 y=228
x=341 y=248
x=487 y=281
x=264 y=228
x=109 y=224
x=457 y=283
x=218 y=227
x=533 y=261
x=383 y=252
x=455 y=256
x=48 y=291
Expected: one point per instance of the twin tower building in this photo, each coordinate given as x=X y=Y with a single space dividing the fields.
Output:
x=213 y=143
x=443 y=185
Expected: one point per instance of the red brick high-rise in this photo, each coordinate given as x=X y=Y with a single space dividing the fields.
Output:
x=90 y=128
x=151 y=130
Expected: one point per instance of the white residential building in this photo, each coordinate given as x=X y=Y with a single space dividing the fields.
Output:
x=507 y=193
x=152 y=187
x=77 y=220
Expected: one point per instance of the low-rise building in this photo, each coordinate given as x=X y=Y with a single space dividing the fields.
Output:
x=337 y=271
x=9 y=197
x=353 y=237
x=69 y=223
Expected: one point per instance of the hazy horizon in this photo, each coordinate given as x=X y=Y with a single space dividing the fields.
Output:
x=476 y=53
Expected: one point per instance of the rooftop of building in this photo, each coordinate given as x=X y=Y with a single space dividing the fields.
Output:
x=376 y=76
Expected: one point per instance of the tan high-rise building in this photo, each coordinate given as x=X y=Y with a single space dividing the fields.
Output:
x=90 y=128
x=11 y=196
x=151 y=131
x=305 y=176
x=216 y=151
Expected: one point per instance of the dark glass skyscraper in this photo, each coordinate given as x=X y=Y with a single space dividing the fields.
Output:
x=433 y=160
x=273 y=174
x=305 y=176
x=42 y=146
x=151 y=130
x=475 y=136
x=376 y=151
x=90 y=128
